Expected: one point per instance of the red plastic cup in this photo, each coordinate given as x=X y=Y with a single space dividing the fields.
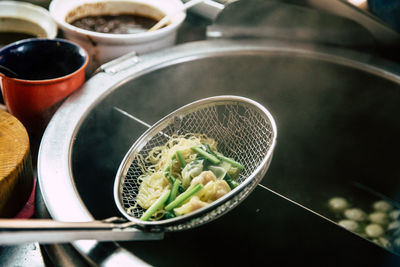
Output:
x=48 y=71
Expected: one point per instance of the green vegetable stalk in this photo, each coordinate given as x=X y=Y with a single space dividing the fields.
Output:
x=156 y=206
x=181 y=159
x=232 y=183
x=206 y=155
x=174 y=191
x=167 y=171
x=230 y=161
x=169 y=215
x=183 y=197
x=173 y=179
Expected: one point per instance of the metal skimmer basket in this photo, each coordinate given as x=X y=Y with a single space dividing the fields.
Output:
x=244 y=130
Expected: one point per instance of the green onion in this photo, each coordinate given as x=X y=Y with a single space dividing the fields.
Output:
x=181 y=159
x=205 y=154
x=230 y=161
x=167 y=171
x=208 y=149
x=232 y=183
x=156 y=206
x=181 y=189
x=184 y=196
x=174 y=191
x=169 y=215
x=171 y=178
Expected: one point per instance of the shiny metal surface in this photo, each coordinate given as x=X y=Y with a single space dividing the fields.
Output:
x=46 y=231
x=313 y=21
x=208 y=9
x=305 y=79
x=31 y=255
x=277 y=20
x=380 y=30
x=243 y=129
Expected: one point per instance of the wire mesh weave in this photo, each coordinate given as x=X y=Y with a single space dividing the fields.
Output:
x=243 y=130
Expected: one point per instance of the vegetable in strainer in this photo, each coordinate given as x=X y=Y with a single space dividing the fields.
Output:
x=243 y=129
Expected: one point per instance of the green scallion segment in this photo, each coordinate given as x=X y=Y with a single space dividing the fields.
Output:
x=171 y=178
x=181 y=159
x=174 y=191
x=232 y=183
x=181 y=189
x=156 y=206
x=230 y=161
x=206 y=155
x=167 y=171
x=169 y=215
x=184 y=196
x=168 y=168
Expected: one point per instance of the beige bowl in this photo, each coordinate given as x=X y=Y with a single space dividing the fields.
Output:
x=103 y=47
x=25 y=19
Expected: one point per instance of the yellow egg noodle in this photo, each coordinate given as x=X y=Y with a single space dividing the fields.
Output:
x=185 y=174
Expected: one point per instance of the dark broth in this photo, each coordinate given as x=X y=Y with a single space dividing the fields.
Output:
x=15 y=29
x=116 y=24
x=10 y=37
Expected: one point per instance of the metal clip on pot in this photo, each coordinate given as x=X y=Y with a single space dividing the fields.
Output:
x=119 y=64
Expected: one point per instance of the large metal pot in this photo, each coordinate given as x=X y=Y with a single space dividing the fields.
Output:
x=336 y=112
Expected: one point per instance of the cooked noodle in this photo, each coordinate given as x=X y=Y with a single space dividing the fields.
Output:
x=162 y=166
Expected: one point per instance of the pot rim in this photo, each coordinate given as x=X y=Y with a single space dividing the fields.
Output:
x=55 y=173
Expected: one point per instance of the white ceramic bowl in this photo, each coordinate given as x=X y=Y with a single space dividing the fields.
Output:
x=103 y=47
x=26 y=18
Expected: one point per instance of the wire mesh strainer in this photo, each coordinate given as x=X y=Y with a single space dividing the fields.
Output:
x=244 y=130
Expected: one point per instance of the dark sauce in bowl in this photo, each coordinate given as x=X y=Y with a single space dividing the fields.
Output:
x=11 y=37
x=115 y=24
x=16 y=29
x=43 y=59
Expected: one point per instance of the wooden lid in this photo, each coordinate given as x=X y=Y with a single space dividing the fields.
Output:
x=16 y=174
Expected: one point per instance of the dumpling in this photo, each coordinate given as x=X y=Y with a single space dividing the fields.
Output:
x=193 y=204
x=214 y=190
x=204 y=178
x=191 y=170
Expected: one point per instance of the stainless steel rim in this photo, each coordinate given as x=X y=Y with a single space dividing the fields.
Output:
x=54 y=167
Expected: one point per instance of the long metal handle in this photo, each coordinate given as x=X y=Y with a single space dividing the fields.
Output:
x=14 y=231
